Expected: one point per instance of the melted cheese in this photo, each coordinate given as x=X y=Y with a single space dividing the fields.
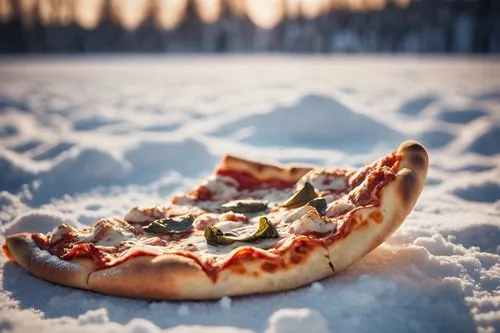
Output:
x=59 y=233
x=338 y=208
x=114 y=237
x=324 y=181
x=136 y=215
x=310 y=222
x=226 y=226
x=222 y=187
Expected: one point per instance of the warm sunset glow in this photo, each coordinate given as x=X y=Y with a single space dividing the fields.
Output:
x=292 y=8
x=402 y=3
x=209 y=10
x=131 y=12
x=265 y=13
x=5 y=10
x=62 y=16
x=88 y=12
x=313 y=8
x=170 y=13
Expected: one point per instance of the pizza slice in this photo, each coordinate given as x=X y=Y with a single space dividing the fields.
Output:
x=250 y=228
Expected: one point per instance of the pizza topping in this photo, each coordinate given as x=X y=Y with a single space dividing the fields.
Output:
x=173 y=225
x=311 y=222
x=327 y=180
x=227 y=226
x=59 y=233
x=137 y=215
x=247 y=181
x=210 y=219
x=319 y=204
x=389 y=161
x=245 y=206
x=214 y=236
x=218 y=188
x=368 y=191
x=338 y=208
x=300 y=198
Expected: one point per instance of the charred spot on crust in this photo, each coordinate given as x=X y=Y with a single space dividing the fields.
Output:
x=269 y=267
x=259 y=166
x=416 y=153
x=331 y=265
x=409 y=183
x=418 y=160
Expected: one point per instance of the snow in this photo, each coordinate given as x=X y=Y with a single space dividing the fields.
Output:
x=85 y=138
x=225 y=303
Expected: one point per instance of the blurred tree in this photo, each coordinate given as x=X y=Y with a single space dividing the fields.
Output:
x=248 y=25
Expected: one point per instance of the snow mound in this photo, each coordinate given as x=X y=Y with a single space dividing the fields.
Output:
x=151 y=160
x=415 y=106
x=12 y=103
x=493 y=95
x=78 y=170
x=37 y=221
x=481 y=235
x=93 y=123
x=461 y=116
x=8 y=199
x=8 y=131
x=486 y=143
x=485 y=192
x=438 y=246
x=52 y=151
x=297 y=321
x=315 y=121
x=14 y=171
x=436 y=138
x=26 y=146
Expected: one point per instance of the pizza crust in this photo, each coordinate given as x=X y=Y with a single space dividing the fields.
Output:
x=73 y=273
x=176 y=277
x=263 y=171
x=371 y=226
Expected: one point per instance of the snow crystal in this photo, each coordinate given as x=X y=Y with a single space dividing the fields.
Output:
x=316 y=287
x=183 y=310
x=99 y=316
x=225 y=303
x=296 y=321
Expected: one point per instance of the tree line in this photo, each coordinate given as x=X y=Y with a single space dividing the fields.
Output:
x=430 y=26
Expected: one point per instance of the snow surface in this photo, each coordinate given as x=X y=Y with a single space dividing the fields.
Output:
x=85 y=138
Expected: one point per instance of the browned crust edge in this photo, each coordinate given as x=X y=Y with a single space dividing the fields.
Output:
x=397 y=201
x=41 y=263
x=263 y=171
x=175 y=277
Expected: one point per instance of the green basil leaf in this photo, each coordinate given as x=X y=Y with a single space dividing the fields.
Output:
x=319 y=204
x=300 y=198
x=172 y=225
x=245 y=206
x=215 y=236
